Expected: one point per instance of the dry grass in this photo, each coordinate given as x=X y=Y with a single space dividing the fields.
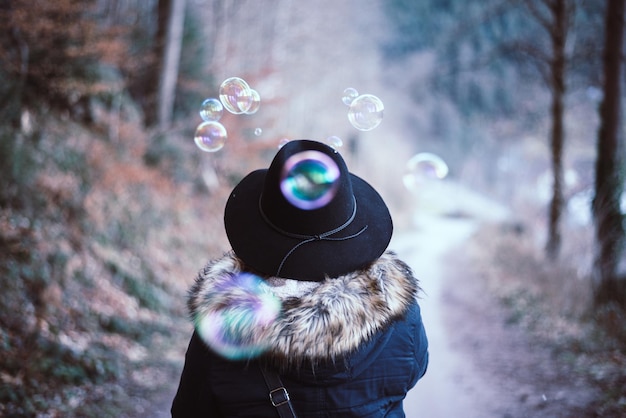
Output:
x=95 y=265
x=552 y=302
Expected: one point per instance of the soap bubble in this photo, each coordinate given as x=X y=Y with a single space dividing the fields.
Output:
x=309 y=179
x=424 y=167
x=258 y=131
x=366 y=112
x=210 y=136
x=237 y=329
x=211 y=110
x=334 y=142
x=236 y=95
x=255 y=103
x=349 y=95
x=282 y=142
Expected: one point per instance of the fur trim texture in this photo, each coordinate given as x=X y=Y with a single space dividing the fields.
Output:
x=330 y=321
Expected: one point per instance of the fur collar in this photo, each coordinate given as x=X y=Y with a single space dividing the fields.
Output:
x=329 y=321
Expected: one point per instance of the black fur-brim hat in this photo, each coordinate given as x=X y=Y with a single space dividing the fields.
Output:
x=276 y=237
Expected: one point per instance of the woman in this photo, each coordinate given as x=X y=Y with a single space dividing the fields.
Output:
x=309 y=293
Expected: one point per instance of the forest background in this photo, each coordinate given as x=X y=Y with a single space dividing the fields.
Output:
x=108 y=209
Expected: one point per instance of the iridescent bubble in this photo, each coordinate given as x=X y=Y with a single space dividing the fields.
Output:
x=210 y=136
x=255 y=104
x=424 y=167
x=366 y=112
x=334 y=142
x=258 y=132
x=236 y=329
x=236 y=95
x=349 y=95
x=211 y=110
x=309 y=179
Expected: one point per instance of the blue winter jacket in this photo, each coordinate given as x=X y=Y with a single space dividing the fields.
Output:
x=349 y=347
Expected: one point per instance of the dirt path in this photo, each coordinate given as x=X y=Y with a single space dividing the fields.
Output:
x=479 y=366
x=451 y=387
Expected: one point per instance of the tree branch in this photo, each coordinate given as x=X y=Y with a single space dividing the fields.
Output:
x=546 y=23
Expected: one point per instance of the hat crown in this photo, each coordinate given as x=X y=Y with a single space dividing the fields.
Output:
x=288 y=217
x=334 y=236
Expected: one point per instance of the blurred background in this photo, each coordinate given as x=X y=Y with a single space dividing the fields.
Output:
x=512 y=109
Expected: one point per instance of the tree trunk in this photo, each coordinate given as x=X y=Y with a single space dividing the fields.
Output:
x=171 y=60
x=557 y=69
x=608 y=219
x=154 y=74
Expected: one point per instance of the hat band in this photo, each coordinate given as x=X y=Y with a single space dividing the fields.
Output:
x=325 y=236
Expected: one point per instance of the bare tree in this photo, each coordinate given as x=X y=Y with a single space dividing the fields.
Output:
x=608 y=219
x=556 y=23
x=171 y=60
x=558 y=37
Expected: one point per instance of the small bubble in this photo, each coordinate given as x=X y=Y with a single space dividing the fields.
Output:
x=258 y=132
x=282 y=142
x=210 y=136
x=211 y=110
x=236 y=95
x=309 y=179
x=255 y=104
x=424 y=167
x=334 y=142
x=349 y=95
x=366 y=112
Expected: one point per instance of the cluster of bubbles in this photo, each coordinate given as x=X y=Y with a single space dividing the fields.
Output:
x=423 y=167
x=237 y=330
x=365 y=111
x=236 y=96
x=309 y=180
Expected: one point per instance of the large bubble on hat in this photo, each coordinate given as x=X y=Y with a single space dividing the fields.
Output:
x=309 y=179
x=239 y=329
x=211 y=110
x=424 y=167
x=210 y=136
x=236 y=95
x=366 y=112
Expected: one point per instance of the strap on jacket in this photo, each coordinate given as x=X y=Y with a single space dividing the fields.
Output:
x=278 y=394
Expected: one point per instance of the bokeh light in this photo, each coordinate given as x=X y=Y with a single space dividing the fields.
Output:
x=423 y=167
x=366 y=112
x=236 y=330
x=236 y=95
x=309 y=179
x=210 y=136
x=211 y=110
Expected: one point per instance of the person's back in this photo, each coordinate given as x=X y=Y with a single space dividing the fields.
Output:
x=309 y=292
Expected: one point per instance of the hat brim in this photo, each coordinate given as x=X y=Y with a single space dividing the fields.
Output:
x=263 y=248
